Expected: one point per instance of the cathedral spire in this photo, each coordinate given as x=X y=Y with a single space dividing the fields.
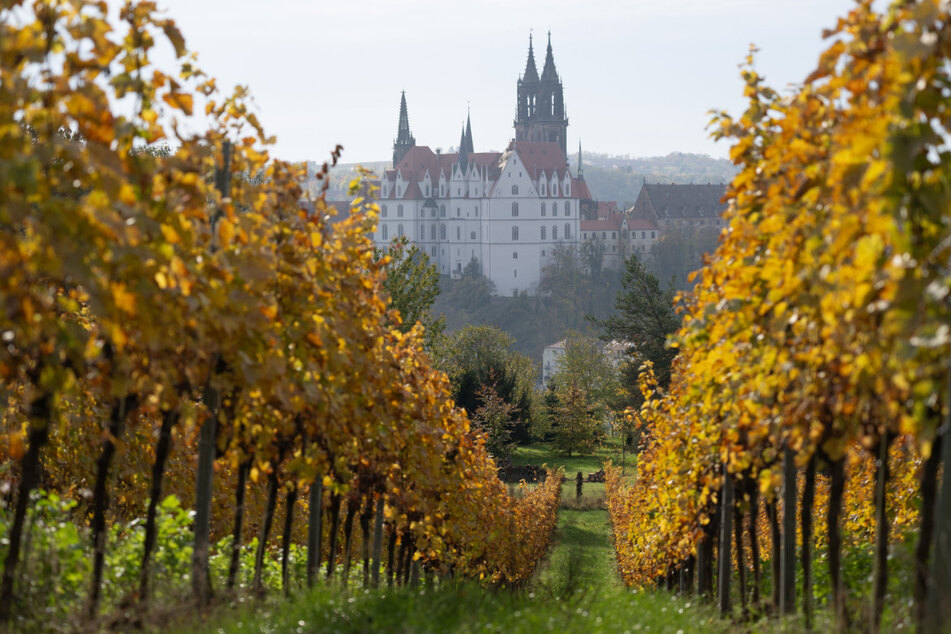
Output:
x=404 y=140
x=463 y=152
x=580 y=166
x=531 y=72
x=549 y=73
x=469 y=147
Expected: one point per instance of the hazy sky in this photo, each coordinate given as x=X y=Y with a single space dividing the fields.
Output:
x=640 y=75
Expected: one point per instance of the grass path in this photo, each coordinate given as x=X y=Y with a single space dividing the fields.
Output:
x=576 y=589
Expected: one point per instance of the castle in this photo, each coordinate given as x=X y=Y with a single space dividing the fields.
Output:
x=507 y=211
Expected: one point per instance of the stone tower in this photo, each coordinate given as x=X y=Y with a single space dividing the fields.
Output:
x=540 y=115
x=404 y=140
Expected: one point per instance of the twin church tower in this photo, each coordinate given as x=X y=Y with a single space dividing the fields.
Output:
x=540 y=116
x=505 y=213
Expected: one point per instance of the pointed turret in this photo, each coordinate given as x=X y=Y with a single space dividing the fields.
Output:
x=404 y=140
x=549 y=73
x=469 y=147
x=580 y=166
x=463 y=152
x=531 y=72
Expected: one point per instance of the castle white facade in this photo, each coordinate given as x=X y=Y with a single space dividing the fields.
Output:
x=507 y=211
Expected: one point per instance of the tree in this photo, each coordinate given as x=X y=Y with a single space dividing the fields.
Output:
x=585 y=364
x=644 y=319
x=576 y=428
x=592 y=254
x=479 y=356
x=412 y=282
x=494 y=419
x=680 y=251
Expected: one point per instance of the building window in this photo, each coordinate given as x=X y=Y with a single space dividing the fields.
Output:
x=554 y=232
x=432 y=232
x=427 y=189
x=604 y=236
x=399 y=230
x=433 y=251
x=383 y=211
x=386 y=232
x=567 y=188
x=543 y=209
x=458 y=191
x=458 y=233
x=543 y=232
x=442 y=211
x=614 y=235
x=567 y=231
x=458 y=212
x=441 y=191
x=515 y=233
x=442 y=232
x=515 y=190
x=543 y=187
x=543 y=252
x=554 y=209
x=399 y=189
x=514 y=209
x=554 y=188
x=472 y=235
x=584 y=235
x=643 y=234
x=515 y=255
x=652 y=235
x=399 y=211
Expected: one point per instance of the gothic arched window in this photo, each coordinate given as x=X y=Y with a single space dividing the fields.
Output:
x=399 y=230
x=554 y=232
x=567 y=231
x=442 y=232
x=543 y=209
x=515 y=190
x=514 y=233
x=386 y=232
x=554 y=209
x=383 y=211
x=399 y=211
x=543 y=232
x=514 y=209
x=432 y=232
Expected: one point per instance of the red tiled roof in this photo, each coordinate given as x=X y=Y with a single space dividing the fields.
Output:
x=602 y=224
x=641 y=224
x=538 y=157
x=579 y=189
x=607 y=208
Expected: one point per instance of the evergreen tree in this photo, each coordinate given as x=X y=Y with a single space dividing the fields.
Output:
x=644 y=318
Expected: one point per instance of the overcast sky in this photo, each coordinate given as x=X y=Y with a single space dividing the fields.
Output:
x=639 y=75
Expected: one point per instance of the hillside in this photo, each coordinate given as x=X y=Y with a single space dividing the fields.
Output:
x=610 y=177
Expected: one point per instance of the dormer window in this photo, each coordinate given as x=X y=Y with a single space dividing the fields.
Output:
x=441 y=191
